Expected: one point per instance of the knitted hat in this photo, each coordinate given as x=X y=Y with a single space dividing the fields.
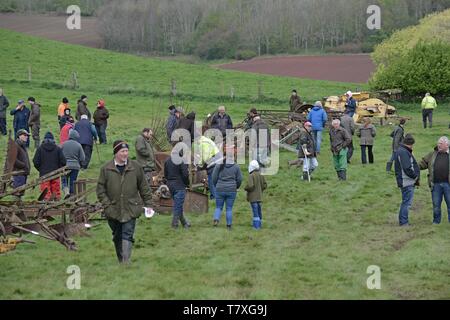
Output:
x=49 y=136
x=119 y=145
x=409 y=140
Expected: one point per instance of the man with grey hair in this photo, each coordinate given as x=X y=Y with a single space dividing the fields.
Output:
x=4 y=103
x=318 y=118
x=438 y=163
x=428 y=105
x=221 y=121
x=340 y=139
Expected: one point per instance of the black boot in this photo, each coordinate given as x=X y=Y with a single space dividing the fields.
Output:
x=388 y=166
x=184 y=222
x=126 y=251
x=344 y=175
x=118 y=246
x=339 y=175
x=305 y=175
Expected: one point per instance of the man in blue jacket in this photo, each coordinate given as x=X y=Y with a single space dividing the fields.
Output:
x=88 y=135
x=21 y=115
x=318 y=118
x=350 y=104
x=407 y=173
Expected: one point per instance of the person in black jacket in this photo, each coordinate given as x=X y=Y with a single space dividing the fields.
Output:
x=49 y=157
x=221 y=121
x=188 y=124
x=177 y=177
x=408 y=175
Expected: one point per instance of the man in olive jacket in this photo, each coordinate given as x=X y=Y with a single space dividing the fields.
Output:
x=397 y=136
x=34 y=122
x=340 y=139
x=438 y=164
x=145 y=153
x=124 y=191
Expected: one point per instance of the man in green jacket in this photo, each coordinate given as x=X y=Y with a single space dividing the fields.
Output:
x=428 y=105
x=438 y=164
x=124 y=192
x=145 y=153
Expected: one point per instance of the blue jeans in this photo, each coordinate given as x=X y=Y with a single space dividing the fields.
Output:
x=225 y=198
x=69 y=180
x=101 y=131
x=439 y=191
x=407 y=199
x=257 y=214
x=317 y=138
x=122 y=230
x=178 y=202
x=19 y=181
x=212 y=188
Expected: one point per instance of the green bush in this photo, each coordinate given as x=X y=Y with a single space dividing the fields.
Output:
x=217 y=44
x=245 y=54
x=426 y=68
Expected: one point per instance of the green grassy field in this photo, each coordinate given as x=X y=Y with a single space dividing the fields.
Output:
x=318 y=238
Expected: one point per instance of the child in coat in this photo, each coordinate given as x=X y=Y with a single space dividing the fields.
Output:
x=256 y=184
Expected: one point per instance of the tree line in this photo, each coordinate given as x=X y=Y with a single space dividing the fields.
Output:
x=242 y=29
x=213 y=29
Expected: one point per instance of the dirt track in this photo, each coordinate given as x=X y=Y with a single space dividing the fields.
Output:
x=348 y=68
x=54 y=28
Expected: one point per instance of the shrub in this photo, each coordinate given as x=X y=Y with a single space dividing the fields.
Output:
x=426 y=68
x=245 y=54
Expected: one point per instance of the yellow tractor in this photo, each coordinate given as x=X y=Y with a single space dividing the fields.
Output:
x=367 y=106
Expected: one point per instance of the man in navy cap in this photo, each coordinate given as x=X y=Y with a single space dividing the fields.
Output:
x=21 y=115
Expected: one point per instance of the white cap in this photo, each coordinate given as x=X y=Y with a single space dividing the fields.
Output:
x=349 y=93
x=83 y=116
x=254 y=165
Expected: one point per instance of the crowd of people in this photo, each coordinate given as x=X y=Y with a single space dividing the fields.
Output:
x=124 y=185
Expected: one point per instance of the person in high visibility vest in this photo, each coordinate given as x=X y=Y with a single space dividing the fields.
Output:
x=428 y=105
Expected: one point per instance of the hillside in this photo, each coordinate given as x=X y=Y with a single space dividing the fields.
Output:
x=318 y=238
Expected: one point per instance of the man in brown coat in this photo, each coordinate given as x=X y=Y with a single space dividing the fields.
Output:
x=294 y=101
x=82 y=108
x=101 y=116
x=22 y=163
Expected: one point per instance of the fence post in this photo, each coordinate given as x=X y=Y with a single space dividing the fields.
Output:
x=173 y=89
x=75 y=80
x=29 y=73
x=232 y=93
x=259 y=90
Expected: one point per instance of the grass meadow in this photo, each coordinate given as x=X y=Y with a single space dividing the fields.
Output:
x=318 y=238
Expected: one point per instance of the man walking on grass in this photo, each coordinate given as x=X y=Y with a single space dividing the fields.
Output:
x=125 y=193
x=340 y=139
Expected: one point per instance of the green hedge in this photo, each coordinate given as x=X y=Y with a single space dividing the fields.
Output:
x=425 y=68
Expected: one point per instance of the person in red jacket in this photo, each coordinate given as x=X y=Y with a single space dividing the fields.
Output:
x=65 y=130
